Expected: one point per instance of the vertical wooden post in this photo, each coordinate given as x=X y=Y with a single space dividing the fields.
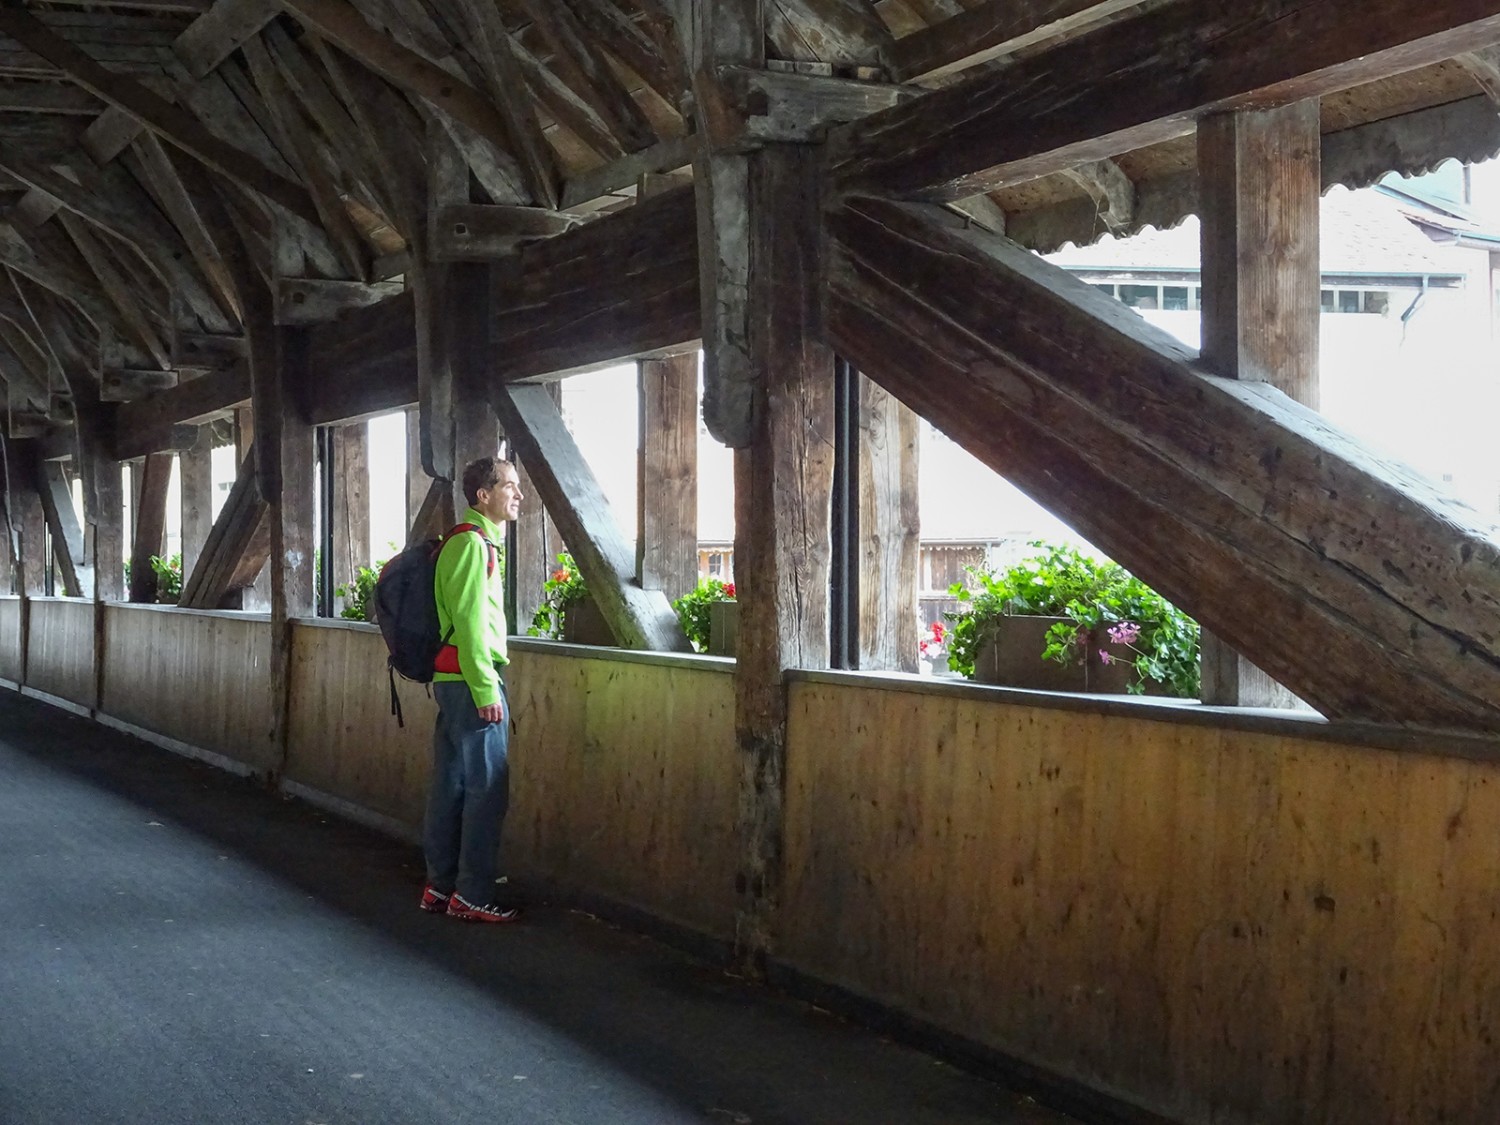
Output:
x=257 y=595
x=293 y=530
x=150 y=525
x=32 y=523
x=197 y=497
x=783 y=490
x=1259 y=187
x=666 y=545
x=889 y=532
x=417 y=480
x=536 y=539
x=350 y=516
x=465 y=336
x=7 y=557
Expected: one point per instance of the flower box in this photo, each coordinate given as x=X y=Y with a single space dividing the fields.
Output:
x=1011 y=654
x=584 y=624
x=724 y=629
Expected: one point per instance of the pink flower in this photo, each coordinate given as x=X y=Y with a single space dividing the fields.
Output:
x=1105 y=657
x=1125 y=633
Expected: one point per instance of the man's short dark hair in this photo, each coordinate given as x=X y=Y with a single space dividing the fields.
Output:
x=485 y=474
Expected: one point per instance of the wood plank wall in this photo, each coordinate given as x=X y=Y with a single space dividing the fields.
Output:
x=10 y=639
x=60 y=653
x=625 y=782
x=1219 y=925
x=201 y=678
x=622 y=772
x=342 y=738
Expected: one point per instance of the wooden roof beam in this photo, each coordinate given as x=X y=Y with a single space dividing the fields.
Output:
x=172 y=123
x=1377 y=597
x=992 y=30
x=343 y=26
x=1123 y=87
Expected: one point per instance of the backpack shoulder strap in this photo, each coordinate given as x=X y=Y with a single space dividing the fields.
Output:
x=490 y=554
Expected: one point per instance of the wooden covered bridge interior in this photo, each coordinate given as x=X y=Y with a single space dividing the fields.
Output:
x=251 y=220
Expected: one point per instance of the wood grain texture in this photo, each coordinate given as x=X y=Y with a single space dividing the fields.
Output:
x=666 y=544
x=200 y=678
x=1291 y=931
x=60 y=649
x=889 y=531
x=10 y=638
x=624 y=783
x=342 y=738
x=783 y=495
x=1222 y=494
x=1033 y=117
x=1259 y=181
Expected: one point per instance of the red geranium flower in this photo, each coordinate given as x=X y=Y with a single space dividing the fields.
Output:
x=729 y=589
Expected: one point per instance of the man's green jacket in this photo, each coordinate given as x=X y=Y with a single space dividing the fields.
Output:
x=471 y=603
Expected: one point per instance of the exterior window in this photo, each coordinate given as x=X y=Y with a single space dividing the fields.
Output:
x=1175 y=297
x=1141 y=296
x=1377 y=302
x=1327 y=300
x=1374 y=301
x=1104 y=287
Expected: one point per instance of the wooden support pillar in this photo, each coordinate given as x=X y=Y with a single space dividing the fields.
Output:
x=7 y=554
x=783 y=495
x=150 y=525
x=418 y=483
x=292 y=511
x=889 y=550
x=1259 y=188
x=103 y=502
x=351 y=501
x=196 y=466
x=32 y=525
x=723 y=33
x=536 y=539
x=256 y=594
x=465 y=335
x=666 y=546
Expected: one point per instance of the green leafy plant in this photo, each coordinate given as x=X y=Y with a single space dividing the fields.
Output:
x=1107 y=607
x=693 y=609
x=168 y=577
x=564 y=587
x=359 y=595
x=1039 y=586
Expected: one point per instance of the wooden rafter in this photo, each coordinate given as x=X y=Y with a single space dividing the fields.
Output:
x=1035 y=117
x=170 y=122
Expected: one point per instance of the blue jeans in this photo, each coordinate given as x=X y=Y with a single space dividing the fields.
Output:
x=468 y=797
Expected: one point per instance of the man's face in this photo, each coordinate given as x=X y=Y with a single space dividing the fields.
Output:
x=503 y=502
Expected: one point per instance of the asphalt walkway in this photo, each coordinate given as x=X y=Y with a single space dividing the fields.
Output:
x=179 y=945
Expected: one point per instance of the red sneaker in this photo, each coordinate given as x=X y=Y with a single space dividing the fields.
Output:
x=466 y=911
x=434 y=901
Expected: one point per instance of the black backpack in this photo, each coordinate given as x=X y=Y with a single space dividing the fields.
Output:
x=406 y=610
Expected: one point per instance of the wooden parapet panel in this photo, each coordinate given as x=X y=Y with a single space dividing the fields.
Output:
x=622 y=767
x=197 y=677
x=60 y=649
x=10 y=638
x=625 y=780
x=1216 y=924
x=342 y=739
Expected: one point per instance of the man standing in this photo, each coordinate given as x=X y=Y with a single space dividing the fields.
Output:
x=471 y=770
